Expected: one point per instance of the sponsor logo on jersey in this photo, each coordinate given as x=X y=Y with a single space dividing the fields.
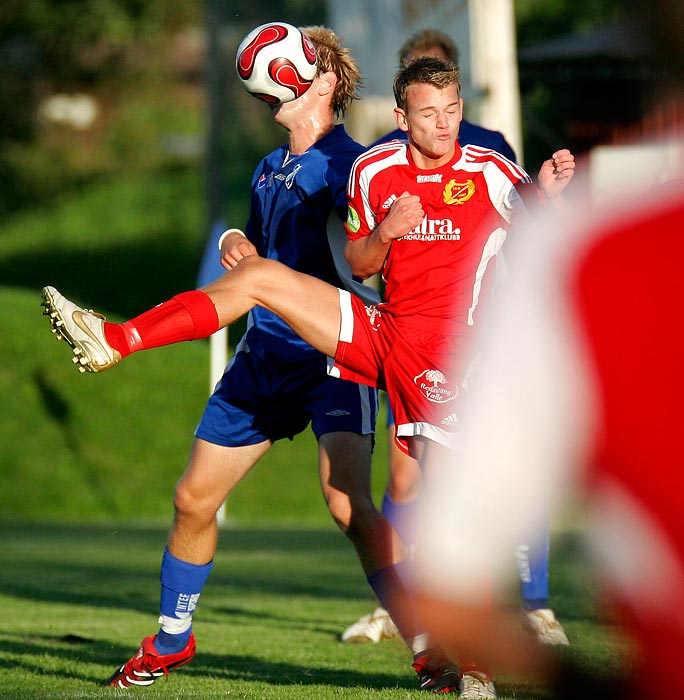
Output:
x=458 y=192
x=290 y=178
x=261 y=182
x=450 y=420
x=353 y=221
x=434 y=230
x=437 y=177
x=338 y=412
x=374 y=317
x=389 y=201
x=434 y=386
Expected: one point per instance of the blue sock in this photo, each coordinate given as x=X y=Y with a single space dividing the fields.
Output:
x=400 y=515
x=533 y=567
x=387 y=586
x=181 y=585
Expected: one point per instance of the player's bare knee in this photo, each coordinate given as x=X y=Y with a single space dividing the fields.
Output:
x=189 y=504
x=353 y=517
x=340 y=509
x=259 y=277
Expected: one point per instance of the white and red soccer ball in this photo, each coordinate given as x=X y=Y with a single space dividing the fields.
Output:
x=276 y=62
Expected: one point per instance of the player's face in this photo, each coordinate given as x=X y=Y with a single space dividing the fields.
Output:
x=289 y=113
x=431 y=119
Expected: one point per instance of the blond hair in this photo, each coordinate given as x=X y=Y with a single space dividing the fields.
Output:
x=332 y=56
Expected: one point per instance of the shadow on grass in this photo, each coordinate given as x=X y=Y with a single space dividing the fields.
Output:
x=42 y=561
x=102 y=566
x=18 y=654
x=249 y=668
x=80 y=655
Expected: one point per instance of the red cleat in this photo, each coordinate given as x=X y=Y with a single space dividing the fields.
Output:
x=148 y=664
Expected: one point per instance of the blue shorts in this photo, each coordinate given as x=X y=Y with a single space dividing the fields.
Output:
x=257 y=400
x=390 y=416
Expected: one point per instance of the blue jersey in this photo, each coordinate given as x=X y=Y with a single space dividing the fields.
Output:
x=293 y=196
x=469 y=133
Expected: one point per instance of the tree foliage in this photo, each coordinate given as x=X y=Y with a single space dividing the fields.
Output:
x=540 y=20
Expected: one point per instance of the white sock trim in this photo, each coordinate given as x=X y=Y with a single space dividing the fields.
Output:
x=172 y=625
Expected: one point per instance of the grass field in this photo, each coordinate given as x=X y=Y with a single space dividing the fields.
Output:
x=77 y=599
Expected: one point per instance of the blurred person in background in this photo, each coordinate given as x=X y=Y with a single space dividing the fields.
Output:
x=437 y=44
x=579 y=398
x=403 y=483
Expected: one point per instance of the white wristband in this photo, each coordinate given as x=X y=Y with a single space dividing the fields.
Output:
x=225 y=233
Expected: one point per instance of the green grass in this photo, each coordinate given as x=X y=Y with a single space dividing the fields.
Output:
x=77 y=599
x=87 y=447
x=91 y=447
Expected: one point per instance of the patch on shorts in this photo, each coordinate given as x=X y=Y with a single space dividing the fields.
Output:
x=434 y=386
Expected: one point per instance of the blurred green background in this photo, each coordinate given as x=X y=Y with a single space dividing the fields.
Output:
x=106 y=182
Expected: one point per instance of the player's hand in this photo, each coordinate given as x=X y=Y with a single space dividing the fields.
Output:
x=556 y=172
x=404 y=215
x=234 y=247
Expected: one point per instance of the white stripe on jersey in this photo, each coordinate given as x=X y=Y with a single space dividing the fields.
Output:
x=395 y=155
x=491 y=248
x=501 y=176
x=380 y=148
x=477 y=154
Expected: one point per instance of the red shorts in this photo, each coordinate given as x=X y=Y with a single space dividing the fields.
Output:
x=421 y=367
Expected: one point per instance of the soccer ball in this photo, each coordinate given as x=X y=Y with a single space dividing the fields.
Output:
x=276 y=62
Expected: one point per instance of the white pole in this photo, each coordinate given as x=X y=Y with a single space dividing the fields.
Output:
x=494 y=68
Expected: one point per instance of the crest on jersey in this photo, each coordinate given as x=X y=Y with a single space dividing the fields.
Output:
x=434 y=386
x=458 y=192
x=353 y=221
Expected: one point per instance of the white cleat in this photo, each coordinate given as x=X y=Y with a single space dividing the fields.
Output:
x=374 y=628
x=476 y=685
x=544 y=627
x=83 y=330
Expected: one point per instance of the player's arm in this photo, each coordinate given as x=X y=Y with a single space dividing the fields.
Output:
x=555 y=174
x=366 y=255
x=234 y=246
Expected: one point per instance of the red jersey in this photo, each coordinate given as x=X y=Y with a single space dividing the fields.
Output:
x=443 y=268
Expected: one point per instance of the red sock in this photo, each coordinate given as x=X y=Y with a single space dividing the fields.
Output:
x=187 y=316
